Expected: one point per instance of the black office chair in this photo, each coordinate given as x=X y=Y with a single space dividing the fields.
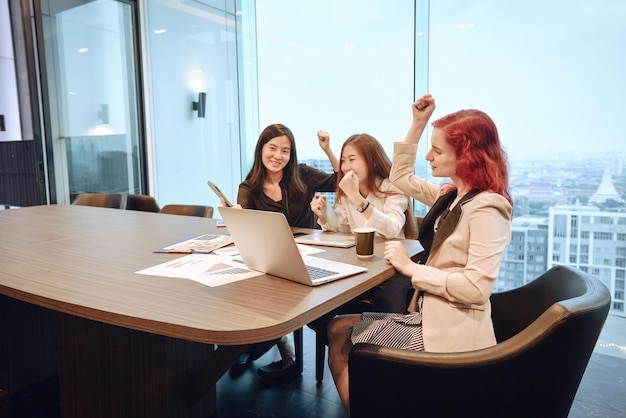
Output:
x=102 y=200
x=546 y=332
x=141 y=202
x=188 y=210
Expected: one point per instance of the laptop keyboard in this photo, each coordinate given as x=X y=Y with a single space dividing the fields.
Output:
x=319 y=273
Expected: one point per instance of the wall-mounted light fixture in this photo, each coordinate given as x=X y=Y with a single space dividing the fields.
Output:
x=200 y=105
x=103 y=114
x=2 y=127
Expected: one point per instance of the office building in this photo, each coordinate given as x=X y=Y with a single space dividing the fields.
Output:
x=593 y=241
x=526 y=256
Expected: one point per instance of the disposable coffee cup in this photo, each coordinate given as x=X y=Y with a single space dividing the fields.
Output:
x=364 y=240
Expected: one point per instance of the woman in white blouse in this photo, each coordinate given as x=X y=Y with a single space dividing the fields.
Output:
x=365 y=196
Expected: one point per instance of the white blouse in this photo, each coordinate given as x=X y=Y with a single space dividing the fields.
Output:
x=388 y=217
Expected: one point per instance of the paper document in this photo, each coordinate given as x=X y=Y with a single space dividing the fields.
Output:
x=202 y=244
x=208 y=269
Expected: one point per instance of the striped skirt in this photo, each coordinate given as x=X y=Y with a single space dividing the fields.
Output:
x=390 y=330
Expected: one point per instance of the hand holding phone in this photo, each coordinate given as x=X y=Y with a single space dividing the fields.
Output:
x=219 y=194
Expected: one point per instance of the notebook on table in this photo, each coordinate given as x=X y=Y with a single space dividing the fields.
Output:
x=266 y=244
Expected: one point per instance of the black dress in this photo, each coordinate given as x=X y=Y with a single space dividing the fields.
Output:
x=296 y=209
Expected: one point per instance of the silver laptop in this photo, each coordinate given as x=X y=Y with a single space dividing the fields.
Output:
x=266 y=244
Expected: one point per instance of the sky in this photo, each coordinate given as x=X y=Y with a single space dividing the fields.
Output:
x=550 y=74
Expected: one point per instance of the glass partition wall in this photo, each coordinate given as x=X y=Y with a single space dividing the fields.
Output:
x=102 y=102
x=194 y=98
x=93 y=93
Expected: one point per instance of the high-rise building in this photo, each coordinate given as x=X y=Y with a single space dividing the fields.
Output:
x=526 y=256
x=325 y=166
x=593 y=241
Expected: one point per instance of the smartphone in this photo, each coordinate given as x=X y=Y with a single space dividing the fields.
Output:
x=219 y=193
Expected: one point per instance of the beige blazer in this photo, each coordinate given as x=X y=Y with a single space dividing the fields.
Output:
x=460 y=273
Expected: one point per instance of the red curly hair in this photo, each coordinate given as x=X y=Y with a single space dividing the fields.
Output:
x=481 y=160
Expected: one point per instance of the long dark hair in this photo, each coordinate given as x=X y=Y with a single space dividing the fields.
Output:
x=291 y=177
x=376 y=159
x=378 y=168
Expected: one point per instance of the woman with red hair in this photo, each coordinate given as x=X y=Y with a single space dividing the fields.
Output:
x=464 y=235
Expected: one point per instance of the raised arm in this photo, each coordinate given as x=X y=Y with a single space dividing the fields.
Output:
x=422 y=110
x=402 y=173
x=324 y=141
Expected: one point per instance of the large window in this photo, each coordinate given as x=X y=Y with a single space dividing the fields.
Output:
x=342 y=66
x=550 y=74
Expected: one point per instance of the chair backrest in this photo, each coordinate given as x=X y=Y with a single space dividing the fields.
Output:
x=516 y=309
x=188 y=210
x=546 y=330
x=141 y=202
x=103 y=200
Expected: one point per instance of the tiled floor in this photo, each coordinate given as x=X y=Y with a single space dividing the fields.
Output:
x=602 y=392
x=249 y=395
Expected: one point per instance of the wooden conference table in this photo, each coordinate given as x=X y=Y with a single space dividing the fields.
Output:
x=126 y=344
